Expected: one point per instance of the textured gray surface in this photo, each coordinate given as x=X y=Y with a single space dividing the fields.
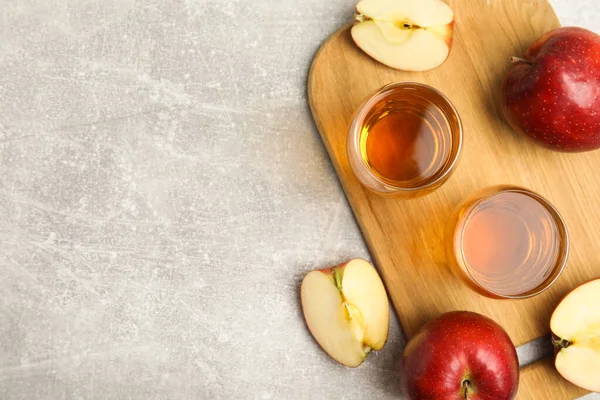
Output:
x=162 y=192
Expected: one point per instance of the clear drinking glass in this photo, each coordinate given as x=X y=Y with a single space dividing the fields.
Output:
x=507 y=242
x=405 y=140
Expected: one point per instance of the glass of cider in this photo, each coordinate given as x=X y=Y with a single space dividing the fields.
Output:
x=507 y=242
x=405 y=140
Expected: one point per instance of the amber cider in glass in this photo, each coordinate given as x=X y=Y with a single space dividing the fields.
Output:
x=405 y=138
x=507 y=242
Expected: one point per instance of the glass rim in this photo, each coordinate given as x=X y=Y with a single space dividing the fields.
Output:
x=353 y=140
x=564 y=244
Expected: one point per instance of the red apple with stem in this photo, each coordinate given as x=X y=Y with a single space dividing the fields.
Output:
x=460 y=355
x=552 y=93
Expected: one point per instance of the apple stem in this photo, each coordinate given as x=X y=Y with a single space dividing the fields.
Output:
x=560 y=343
x=359 y=17
x=516 y=60
x=337 y=278
x=466 y=385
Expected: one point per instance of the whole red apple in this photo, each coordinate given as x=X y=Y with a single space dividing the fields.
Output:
x=552 y=94
x=460 y=355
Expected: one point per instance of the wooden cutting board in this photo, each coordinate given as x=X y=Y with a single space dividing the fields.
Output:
x=405 y=236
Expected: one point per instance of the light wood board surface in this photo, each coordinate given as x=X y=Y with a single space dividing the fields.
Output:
x=405 y=236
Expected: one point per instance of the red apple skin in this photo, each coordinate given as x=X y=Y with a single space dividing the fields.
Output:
x=552 y=94
x=456 y=347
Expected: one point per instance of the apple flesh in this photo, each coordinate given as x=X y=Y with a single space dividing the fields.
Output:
x=346 y=309
x=552 y=93
x=410 y=35
x=460 y=355
x=575 y=325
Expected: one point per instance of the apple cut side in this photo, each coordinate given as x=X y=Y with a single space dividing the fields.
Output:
x=575 y=325
x=410 y=35
x=346 y=309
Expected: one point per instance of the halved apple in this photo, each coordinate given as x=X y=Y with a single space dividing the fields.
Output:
x=410 y=35
x=575 y=325
x=347 y=310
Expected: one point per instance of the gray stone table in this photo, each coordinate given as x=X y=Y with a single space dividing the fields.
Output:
x=163 y=190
